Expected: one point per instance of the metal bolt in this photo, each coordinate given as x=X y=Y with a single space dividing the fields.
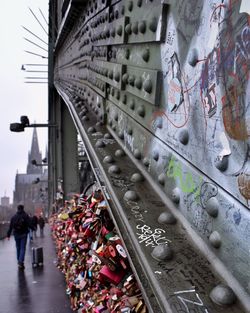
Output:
x=114 y=169
x=167 y=218
x=127 y=53
x=132 y=104
x=119 y=30
x=131 y=195
x=128 y=29
x=215 y=239
x=137 y=177
x=130 y=6
x=108 y=159
x=145 y=55
x=212 y=207
x=162 y=253
x=100 y=144
x=153 y=24
x=117 y=76
x=142 y=27
x=124 y=98
x=138 y=83
x=125 y=78
x=176 y=195
x=119 y=153
x=147 y=86
x=184 y=136
x=137 y=154
x=121 y=135
x=141 y=111
x=91 y=130
x=108 y=136
x=221 y=163
x=161 y=179
x=223 y=295
x=131 y=80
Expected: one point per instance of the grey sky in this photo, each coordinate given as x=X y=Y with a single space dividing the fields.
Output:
x=18 y=98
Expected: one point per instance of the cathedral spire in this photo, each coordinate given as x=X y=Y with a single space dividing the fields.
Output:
x=34 y=154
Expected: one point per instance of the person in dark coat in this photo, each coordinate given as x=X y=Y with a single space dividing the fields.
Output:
x=34 y=222
x=41 y=223
x=20 y=224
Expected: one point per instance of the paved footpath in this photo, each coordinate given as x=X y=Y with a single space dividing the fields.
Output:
x=33 y=290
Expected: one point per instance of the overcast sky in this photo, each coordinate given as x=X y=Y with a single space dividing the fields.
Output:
x=18 y=98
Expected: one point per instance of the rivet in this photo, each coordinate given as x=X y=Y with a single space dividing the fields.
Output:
x=131 y=195
x=156 y=155
x=123 y=10
x=108 y=136
x=193 y=57
x=141 y=111
x=114 y=169
x=136 y=178
x=138 y=83
x=221 y=163
x=139 y=3
x=135 y=28
x=212 y=207
x=113 y=32
x=114 y=127
x=125 y=78
x=162 y=253
x=111 y=74
x=124 y=99
x=130 y=130
x=223 y=295
x=183 y=136
x=137 y=154
x=127 y=53
x=119 y=30
x=91 y=130
x=167 y=218
x=145 y=55
x=128 y=29
x=153 y=24
x=161 y=179
x=142 y=27
x=130 y=6
x=215 y=239
x=121 y=135
x=147 y=86
x=112 y=91
x=146 y=162
x=119 y=153
x=117 y=76
x=132 y=104
x=175 y=196
x=108 y=159
x=100 y=144
x=131 y=80
x=85 y=118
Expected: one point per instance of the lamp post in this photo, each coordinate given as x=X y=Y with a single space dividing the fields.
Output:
x=20 y=127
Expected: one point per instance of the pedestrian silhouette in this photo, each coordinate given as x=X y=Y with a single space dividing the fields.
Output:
x=20 y=224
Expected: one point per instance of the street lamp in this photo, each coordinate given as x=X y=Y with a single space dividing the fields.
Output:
x=19 y=127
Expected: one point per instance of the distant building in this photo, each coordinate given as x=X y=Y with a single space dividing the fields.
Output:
x=31 y=188
x=5 y=201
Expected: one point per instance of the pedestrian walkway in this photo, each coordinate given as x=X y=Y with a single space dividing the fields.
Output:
x=33 y=290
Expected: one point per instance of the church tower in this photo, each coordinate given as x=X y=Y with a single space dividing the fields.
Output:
x=34 y=154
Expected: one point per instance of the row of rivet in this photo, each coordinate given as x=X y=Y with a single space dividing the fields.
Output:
x=221 y=294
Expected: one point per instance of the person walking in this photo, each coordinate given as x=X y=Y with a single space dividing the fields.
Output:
x=41 y=223
x=34 y=222
x=20 y=224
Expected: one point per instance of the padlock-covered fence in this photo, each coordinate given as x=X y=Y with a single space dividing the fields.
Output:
x=93 y=258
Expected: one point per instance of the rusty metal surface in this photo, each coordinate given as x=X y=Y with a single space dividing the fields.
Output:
x=170 y=81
